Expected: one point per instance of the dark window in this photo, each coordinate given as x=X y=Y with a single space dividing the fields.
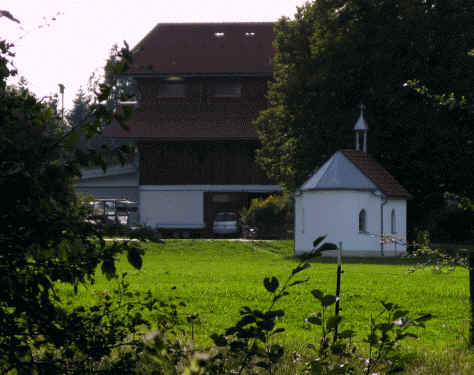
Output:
x=394 y=222
x=230 y=89
x=172 y=90
x=362 y=221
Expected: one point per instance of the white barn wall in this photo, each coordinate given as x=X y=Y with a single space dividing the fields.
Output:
x=172 y=209
x=336 y=213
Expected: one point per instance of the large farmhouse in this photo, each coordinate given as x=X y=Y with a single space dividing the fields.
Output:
x=201 y=86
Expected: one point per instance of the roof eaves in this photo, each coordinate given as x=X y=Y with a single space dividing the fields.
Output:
x=408 y=196
x=330 y=161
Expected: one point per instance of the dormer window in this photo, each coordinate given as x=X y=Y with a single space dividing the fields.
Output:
x=172 y=90
x=229 y=89
x=362 y=221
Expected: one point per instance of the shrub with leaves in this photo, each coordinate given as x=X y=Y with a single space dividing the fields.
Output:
x=385 y=336
x=250 y=343
x=272 y=216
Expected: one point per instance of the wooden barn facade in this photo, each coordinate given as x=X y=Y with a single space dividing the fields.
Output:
x=201 y=87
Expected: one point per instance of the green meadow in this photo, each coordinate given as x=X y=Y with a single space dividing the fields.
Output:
x=214 y=278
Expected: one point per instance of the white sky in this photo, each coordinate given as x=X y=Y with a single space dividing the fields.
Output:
x=67 y=50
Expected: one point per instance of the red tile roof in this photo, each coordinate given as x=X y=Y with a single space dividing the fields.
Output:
x=377 y=174
x=205 y=48
x=203 y=125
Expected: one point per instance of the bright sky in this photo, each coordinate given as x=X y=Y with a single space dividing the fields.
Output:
x=77 y=42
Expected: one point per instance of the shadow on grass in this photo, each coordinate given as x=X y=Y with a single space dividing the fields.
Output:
x=391 y=261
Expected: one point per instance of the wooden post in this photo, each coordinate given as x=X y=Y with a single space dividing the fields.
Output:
x=338 y=286
x=471 y=288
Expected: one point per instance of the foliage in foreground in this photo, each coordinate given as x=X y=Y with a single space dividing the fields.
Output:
x=44 y=235
x=438 y=260
x=251 y=344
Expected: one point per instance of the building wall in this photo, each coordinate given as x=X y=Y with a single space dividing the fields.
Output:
x=172 y=209
x=123 y=186
x=193 y=206
x=400 y=210
x=336 y=213
x=200 y=163
x=200 y=95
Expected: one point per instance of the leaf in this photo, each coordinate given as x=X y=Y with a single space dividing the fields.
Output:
x=6 y=13
x=246 y=320
x=266 y=325
x=276 y=352
x=134 y=257
x=314 y=320
x=318 y=240
x=108 y=268
x=300 y=268
x=372 y=339
x=219 y=340
x=271 y=284
x=399 y=313
x=245 y=310
x=274 y=314
x=299 y=282
x=388 y=306
x=424 y=318
x=346 y=334
x=263 y=365
x=328 y=300
x=333 y=322
x=317 y=294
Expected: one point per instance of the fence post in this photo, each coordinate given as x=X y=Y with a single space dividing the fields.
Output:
x=471 y=288
x=338 y=286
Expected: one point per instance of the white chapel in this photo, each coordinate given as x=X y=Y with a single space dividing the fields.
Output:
x=354 y=201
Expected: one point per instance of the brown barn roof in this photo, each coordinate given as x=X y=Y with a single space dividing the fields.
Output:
x=376 y=173
x=202 y=125
x=205 y=48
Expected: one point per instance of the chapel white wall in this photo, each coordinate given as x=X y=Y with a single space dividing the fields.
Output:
x=400 y=208
x=336 y=213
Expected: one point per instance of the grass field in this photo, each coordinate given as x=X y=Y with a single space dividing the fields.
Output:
x=215 y=278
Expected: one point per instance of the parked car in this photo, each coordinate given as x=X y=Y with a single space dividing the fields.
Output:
x=225 y=223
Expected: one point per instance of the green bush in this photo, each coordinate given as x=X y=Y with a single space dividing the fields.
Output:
x=272 y=216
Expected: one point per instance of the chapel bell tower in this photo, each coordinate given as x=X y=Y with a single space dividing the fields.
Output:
x=361 y=127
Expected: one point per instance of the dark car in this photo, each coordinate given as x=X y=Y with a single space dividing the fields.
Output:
x=225 y=223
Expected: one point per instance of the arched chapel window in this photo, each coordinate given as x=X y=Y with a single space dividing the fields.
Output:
x=394 y=222
x=362 y=221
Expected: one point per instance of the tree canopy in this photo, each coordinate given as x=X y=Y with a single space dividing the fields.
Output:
x=335 y=55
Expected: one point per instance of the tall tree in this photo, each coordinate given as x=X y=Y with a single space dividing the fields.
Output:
x=336 y=54
x=80 y=109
